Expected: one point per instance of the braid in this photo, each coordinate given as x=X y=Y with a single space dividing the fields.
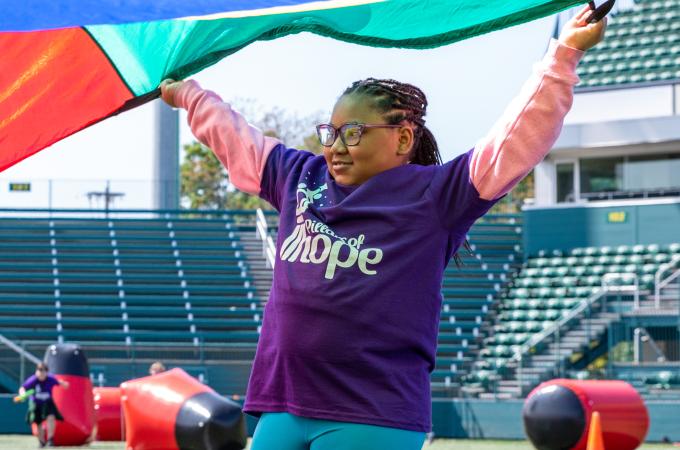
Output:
x=399 y=102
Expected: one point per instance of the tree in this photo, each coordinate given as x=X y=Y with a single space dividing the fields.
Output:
x=203 y=180
x=204 y=183
x=512 y=203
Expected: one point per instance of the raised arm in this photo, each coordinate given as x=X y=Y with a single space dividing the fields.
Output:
x=532 y=122
x=241 y=147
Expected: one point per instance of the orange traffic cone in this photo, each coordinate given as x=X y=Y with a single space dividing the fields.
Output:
x=595 y=439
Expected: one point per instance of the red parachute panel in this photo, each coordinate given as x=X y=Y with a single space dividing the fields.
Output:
x=52 y=84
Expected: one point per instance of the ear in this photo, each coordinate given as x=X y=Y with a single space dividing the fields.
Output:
x=405 y=140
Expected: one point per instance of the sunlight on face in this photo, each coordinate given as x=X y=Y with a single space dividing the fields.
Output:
x=376 y=152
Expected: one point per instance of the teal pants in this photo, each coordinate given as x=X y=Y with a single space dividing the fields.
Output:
x=284 y=431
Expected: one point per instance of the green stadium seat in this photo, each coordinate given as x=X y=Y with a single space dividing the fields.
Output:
x=533 y=326
x=531 y=272
x=560 y=271
x=592 y=280
x=559 y=292
x=556 y=261
x=664 y=379
x=552 y=314
x=579 y=271
x=536 y=303
x=605 y=260
x=661 y=258
x=650 y=268
x=647 y=281
x=544 y=282
x=535 y=315
x=639 y=249
x=623 y=250
x=544 y=292
x=597 y=270
x=636 y=259
x=588 y=260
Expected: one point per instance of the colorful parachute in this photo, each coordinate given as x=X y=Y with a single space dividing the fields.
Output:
x=71 y=63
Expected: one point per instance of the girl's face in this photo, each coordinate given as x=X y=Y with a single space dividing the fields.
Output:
x=379 y=149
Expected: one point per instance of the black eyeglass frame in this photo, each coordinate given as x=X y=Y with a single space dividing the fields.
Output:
x=339 y=131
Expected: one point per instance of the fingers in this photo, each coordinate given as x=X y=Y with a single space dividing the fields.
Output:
x=582 y=14
x=168 y=88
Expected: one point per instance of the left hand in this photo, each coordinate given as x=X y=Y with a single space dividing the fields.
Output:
x=581 y=35
x=63 y=383
x=168 y=89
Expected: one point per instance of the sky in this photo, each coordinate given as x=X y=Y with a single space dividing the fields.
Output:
x=468 y=85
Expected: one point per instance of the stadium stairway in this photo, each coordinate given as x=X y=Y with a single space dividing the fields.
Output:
x=557 y=310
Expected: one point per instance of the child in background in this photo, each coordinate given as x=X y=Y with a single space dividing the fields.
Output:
x=41 y=406
x=350 y=329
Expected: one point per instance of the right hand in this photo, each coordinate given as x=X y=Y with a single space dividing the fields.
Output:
x=168 y=89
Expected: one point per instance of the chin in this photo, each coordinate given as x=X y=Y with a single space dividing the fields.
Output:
x=345 y=180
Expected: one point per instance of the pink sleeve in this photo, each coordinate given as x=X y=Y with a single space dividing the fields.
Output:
x=241 y=147
x=529 y=127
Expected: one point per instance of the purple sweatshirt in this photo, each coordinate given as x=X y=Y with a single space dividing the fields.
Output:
x=43 y=389
x=350 y=329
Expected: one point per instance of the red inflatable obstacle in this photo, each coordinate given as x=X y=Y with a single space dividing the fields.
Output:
x=173 y=410
x=558 y=414
x=108 y=413
x=68 y=362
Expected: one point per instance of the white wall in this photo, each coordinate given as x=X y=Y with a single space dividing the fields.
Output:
x=622 y=104
x=544 y=183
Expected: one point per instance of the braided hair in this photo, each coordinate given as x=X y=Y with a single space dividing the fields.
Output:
x=404 y=102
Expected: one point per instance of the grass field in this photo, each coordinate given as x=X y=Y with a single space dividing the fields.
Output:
x=22 y=442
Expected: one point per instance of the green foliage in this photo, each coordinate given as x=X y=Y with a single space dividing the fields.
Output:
x=512 y=203
x=203 y=180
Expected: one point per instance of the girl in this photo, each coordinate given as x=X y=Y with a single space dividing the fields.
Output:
x=350 y=330
x=42 y=407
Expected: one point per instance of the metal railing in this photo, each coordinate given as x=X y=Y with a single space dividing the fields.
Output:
x=635 y=288
x=262 y=231
x=23 y=357
x=659 y=283
x=539 y=338
x=585 y=306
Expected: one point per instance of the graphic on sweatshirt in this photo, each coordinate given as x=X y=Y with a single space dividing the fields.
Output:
x=314 y=242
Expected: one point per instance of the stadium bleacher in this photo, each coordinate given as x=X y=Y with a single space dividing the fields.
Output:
x=125 y=281
x=548 y=290
x=135 y=286
x=123 y=284
x=642 y=45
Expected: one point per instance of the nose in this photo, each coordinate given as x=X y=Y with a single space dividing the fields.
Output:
x=338 y=146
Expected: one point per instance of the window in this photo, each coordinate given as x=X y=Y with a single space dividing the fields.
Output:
x=601 y=175
x=565 y=182
x=635 y=176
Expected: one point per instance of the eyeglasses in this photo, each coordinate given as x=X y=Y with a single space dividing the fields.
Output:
x=350 y=133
